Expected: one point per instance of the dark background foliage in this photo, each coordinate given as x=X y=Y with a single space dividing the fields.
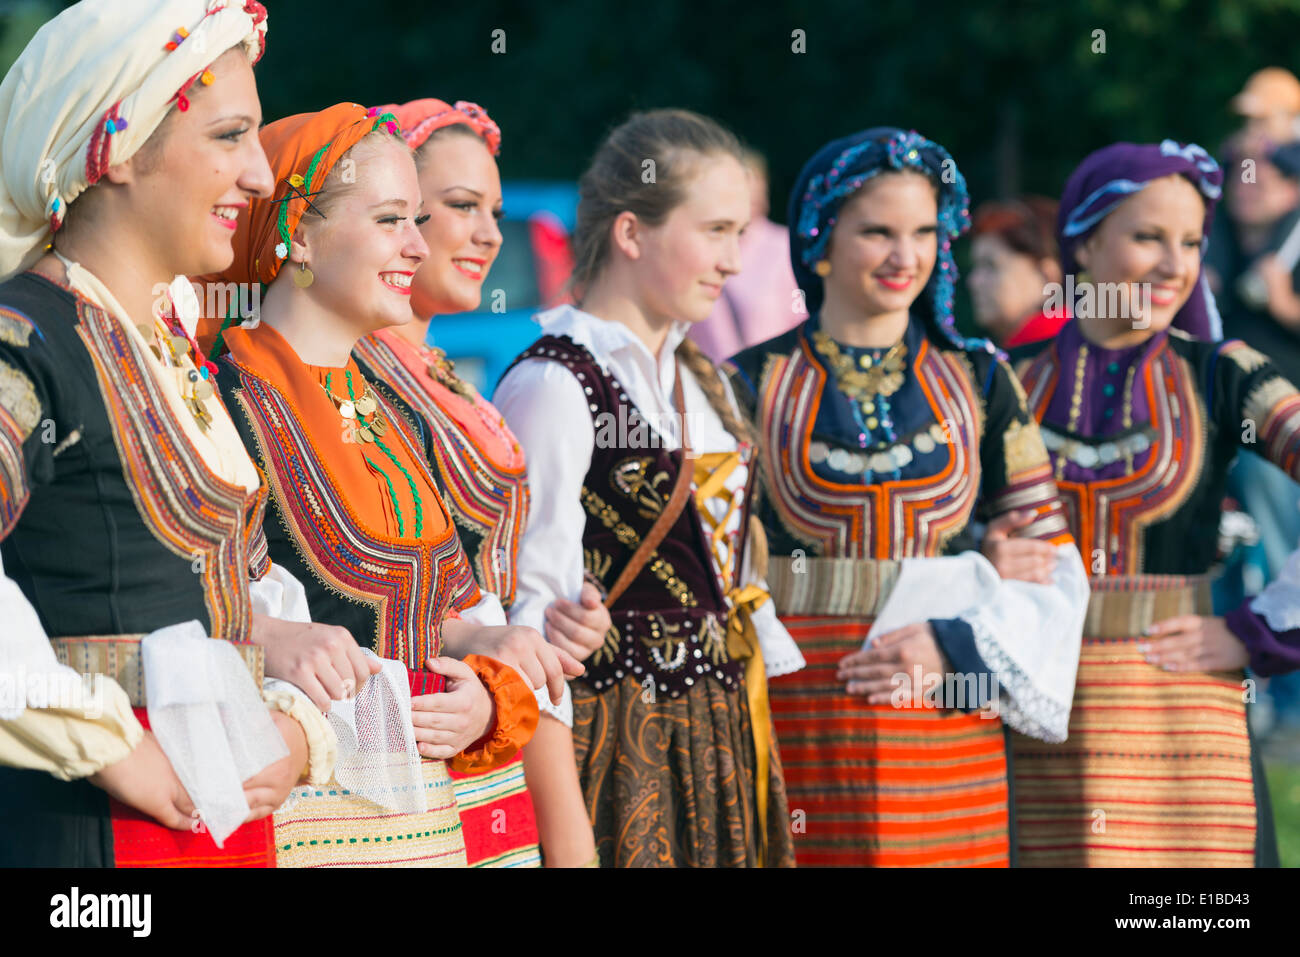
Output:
x=1014 y=90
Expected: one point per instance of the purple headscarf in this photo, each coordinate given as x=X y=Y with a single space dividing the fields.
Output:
x=1111 y=175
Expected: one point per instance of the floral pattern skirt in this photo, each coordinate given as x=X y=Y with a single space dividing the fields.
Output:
x=669 y=782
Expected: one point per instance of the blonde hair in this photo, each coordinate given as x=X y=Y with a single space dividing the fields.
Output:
x=707 y=375
x=335 y=188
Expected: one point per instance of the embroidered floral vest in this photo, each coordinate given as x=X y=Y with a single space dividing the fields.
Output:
x=669 y=623
x=488 y=501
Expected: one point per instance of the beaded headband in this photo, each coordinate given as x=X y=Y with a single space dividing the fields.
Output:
x=894 y=150
x=463 y=111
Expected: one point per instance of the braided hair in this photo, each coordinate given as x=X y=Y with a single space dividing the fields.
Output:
x=710 y=380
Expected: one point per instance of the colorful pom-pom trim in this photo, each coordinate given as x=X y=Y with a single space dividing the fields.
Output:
x=387 y=120
x=177 y=39
x=98 y=148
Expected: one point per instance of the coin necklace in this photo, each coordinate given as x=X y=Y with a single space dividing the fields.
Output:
x=178 y=344
x=367 y=421
x=442 y=370
x=370 y=425
x=869 y=386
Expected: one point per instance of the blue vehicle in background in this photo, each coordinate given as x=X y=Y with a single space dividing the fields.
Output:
x=529 y=275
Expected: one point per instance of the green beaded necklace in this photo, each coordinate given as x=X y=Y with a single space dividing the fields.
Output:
x=364 y=420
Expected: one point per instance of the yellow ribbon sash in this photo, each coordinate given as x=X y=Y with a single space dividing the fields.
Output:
x=711 y=473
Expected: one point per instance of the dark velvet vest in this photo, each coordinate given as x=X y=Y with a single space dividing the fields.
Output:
x=669 y=625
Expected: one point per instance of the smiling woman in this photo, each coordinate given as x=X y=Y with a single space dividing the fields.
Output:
x=479 y=466
x=132 y=514
x=884 y=437
x=357 y=514
x=1142 y=420
x=670 y=725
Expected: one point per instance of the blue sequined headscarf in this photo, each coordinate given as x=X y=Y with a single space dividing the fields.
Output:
x=837 y=171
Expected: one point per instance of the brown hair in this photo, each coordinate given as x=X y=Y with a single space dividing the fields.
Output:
x=615 y=182
x=706 y=374
x=1027 y=225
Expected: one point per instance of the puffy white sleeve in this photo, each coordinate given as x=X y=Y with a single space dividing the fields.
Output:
x=52 y=718
x=545 y=408
x=280 y=595
x=781 y=655
x=1028 y=635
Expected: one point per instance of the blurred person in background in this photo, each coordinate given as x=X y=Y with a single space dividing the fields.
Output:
x=1013 y=259
x=1270 y=103
x=1257 y=281
x=763 y=300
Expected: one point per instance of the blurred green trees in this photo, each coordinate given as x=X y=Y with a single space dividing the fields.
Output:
x=1013 y=89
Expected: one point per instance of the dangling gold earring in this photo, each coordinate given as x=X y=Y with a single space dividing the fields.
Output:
x=823 y=268
x=1083 y=278
x=304 y=277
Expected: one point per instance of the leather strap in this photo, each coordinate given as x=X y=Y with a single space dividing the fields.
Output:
x=673 y=508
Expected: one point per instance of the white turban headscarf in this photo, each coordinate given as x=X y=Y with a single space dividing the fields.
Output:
x=95 y=65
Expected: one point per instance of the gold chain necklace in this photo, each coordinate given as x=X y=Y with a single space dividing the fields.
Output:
x=442 y=370
x=878 y=377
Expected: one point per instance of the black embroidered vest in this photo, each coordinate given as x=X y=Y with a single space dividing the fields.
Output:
x=669 y=625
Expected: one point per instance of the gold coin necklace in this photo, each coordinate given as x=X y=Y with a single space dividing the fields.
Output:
x=178 y=345
x=442 y=370
x=868 y=383
x=369 y=426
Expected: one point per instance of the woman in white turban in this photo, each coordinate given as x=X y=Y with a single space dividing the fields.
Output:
x=130 y=515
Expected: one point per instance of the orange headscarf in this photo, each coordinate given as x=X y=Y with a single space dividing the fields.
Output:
x=307 y=146
x=419 y=118
x=301 y=149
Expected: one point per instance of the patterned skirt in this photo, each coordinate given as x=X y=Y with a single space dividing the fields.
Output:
x=879 y=786
x=329 y=826
x=1157 y=769
x=669 y=782
x=496 y=816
